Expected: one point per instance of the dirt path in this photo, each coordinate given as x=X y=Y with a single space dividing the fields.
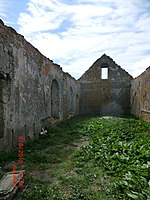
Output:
x=44 y=175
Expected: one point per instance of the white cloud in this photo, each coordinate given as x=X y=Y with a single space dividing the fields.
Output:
x=40 y=17
x=3 y=6
x=140 y=66
x=74 y=35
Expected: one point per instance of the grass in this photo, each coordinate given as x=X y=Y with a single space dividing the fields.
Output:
x=106 y=169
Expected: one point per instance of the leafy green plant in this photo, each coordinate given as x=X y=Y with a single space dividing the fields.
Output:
x=121 y=147
x=115 y=164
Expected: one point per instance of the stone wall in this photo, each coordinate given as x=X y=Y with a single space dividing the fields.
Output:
x=140 y=96
x=33 y=90
x=110 y=96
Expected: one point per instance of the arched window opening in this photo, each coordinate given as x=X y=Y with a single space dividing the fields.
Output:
x=70 y=99
x=2 y=85
x=55 y=99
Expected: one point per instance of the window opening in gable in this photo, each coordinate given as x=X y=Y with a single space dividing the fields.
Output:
x=104 y=71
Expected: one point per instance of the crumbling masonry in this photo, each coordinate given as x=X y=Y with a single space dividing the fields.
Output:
x=34 y=91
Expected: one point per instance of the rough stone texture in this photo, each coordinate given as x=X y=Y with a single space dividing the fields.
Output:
x=140 y=96
x=35 y=92
x=105 y=96
x=32 y=90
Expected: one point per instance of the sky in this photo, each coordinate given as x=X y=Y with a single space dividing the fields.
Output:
x=75 y=33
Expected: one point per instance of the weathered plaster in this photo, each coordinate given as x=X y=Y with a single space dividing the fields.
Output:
x=34 y=90
x=140 y=96
x=27 y=100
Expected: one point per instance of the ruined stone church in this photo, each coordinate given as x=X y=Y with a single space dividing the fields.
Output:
x=34 y=90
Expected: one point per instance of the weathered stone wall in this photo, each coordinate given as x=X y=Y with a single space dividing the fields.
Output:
x=105 y=96
x=140 y=96
x=71 y=96
x=32 y=89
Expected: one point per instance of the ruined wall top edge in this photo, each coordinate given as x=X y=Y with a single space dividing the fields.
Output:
x=8 y=35
x=147 y=70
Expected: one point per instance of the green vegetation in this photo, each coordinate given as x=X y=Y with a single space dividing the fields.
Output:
x=121 y=147
x=113 y=164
